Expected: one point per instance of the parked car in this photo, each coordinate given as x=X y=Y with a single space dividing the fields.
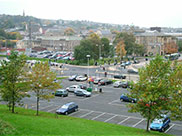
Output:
x=72 y=78
x=61 y=92
x=81 y=78
x=160 y=124
x=67 y=108
x=82 y=86
x=136 y=61
x=123 y=84
x=132 y=71
x=105 y=82
x=117 y=84
x=73 y=88
x=128 y=63
x=120 y=76
x=96 y=80
x=82 y=92
x=125 y=98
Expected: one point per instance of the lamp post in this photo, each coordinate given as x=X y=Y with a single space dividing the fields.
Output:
x=88 y=56
x=100 y=57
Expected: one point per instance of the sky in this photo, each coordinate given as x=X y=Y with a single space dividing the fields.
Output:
x=143 y=13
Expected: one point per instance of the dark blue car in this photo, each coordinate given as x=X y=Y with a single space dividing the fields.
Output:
x=127 y=99
x=67 y=108
x=160 y=124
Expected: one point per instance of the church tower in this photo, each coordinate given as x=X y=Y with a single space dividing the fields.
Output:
x=23 y=13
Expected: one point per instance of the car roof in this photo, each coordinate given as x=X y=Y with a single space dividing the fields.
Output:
x=61 y=90
x=70 y=103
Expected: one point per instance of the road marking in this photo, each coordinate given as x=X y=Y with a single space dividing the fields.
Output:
x=97 y=116
x=45 y=107
x=169 y=128
x=86 y=114
x=57 y=107
x=89 y=97
x=138 y=123
x=110 y=118
x=123 y=120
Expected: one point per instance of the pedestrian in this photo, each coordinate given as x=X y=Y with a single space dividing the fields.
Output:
x=104 y=68
x=105 y=74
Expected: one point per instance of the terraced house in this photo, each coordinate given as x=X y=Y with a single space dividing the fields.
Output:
x=157 y=43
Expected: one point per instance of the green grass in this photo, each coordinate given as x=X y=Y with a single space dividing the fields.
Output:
x=24 y=122
x=60 y=78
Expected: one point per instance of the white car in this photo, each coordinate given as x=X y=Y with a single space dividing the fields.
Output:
x=82 y=92
x=73 y=88
x=81 y=78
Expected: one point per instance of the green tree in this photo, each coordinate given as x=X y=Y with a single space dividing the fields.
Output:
x=139 y=50
x=179 y=43
x=11 y=77
x=42 y=82
x=152 y=90
x=176 y=92
x=85 y=48
x=106 y=48
x=129 y=41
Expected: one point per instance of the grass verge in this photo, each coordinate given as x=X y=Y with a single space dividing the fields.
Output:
x=25 y=122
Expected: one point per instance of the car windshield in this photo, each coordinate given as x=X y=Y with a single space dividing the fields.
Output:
x=64 y=107
x=157 y=121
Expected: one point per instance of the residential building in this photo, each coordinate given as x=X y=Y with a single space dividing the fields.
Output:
x=156 y=43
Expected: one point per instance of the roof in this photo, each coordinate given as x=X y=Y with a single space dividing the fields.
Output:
x=66 y=38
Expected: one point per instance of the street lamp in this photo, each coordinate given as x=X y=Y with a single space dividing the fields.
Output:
x=100 y=50
x=88 y=56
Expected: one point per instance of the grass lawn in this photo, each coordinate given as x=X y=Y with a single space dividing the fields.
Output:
x=24 y=122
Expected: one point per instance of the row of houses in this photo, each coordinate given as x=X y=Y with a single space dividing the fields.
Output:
x=153 y=41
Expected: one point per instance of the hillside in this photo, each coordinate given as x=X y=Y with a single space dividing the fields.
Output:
x=25 y=122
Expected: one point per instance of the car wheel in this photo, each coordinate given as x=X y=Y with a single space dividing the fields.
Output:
x=76 y=109
x=132 y=101
x=66 y=113
x=162 y=130
x=121 y=100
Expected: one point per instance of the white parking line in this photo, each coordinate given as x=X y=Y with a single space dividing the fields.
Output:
x=53 y=109
x=169 y=128
x=86 y=114
x=97 y=116
x=124 y=120
x=45 y=107
x=110 y=118
x=138 y=123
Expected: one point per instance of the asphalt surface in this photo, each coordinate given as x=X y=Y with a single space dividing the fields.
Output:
x=105 y=107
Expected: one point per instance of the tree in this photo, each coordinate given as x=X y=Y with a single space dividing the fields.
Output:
x=85 y=48
x=120 y=49
x=179 y=43
x=42 y=81
x=106 y=48
x=176 y=92
x=152 y=90
x=139 y=50
x=129 y=41
x=170 y=48
x=11 y=77
x=69 y=31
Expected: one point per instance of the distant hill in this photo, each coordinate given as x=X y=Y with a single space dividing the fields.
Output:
x=11 y=21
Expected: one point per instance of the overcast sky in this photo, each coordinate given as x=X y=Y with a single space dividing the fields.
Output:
x=143 y=13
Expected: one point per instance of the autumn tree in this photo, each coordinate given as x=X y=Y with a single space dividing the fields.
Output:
x=170 y=48
x=120 y=49
x=42 y=82
x=11 y=78
x=129 y=41
x=152 y=90
x=176 y=92
x=69 y=31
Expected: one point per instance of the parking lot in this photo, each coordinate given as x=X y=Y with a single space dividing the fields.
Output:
x=105 y=107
